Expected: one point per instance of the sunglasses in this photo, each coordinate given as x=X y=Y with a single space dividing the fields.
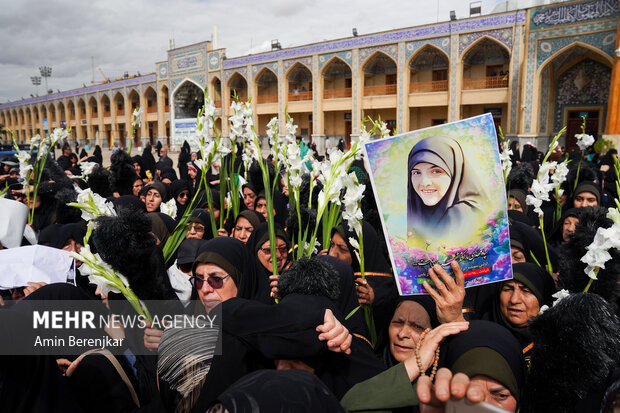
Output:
x=183 y=195
x=215 y=282
x=281 y=250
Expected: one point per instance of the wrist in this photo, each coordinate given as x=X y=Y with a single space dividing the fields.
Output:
x=411 y=366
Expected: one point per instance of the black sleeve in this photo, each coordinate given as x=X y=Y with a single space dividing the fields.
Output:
x=285 y=330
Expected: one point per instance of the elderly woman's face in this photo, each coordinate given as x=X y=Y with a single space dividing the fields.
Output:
x=264 y=254
x=243 y=229
x=339 y=249
x=568 y=227
x=430 y=182
x=153 y=200
x=408 y=322
x=210 y=275
x=495 y=393
x=518 y=303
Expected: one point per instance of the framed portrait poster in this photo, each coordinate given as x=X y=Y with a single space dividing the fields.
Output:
x=441 y=197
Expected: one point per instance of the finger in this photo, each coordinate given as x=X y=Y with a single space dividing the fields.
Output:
x=458 y=272
x=431 y=291
x=459 y=384
x=439 y=285
x=442 y=384
x=424 y=389
x=328 y=321
x=333 y=332
x=346 y=346
x=475 y=393
x=448 y=281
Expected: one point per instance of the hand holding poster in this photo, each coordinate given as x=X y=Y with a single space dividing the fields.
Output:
x=441 y=197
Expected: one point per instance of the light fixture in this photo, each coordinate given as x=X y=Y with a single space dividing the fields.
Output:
x=452 y=15
x=355 y=31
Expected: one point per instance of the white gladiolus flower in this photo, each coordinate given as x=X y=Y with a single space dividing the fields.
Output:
x=136 y=117
x=614 y=215
x=93 y=205
x=584 y=140
x=560 y=174
x=35 y=141
x=504 y=157
x=24 y=163
x=354 y=243
x=58 y=135
x=87 y=168
x=383 y=130
x=559 y=296
x=169 y=208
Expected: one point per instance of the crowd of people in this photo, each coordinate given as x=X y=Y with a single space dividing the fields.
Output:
x=292 y=340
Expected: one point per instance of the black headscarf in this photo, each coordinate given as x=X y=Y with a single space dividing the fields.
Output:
x=427 y=302
x=587 y=187
x=374 y=260
x=255 y=218
x=97 y=155
x=530 y=242
x=279 y=205
x=148 y=162
x=464 y=195
x=486 y=349
x=516 y=156
x=159 y=187
x=138 y=159
x=542 y=286
x=176 y=187
x=347 y=299
x=162 y=226
x=128 y=202
x=279 y=391
x=378 y=273
x=201 y=216
x=259 y=236
x=556 y=235
x=520 y=196
x=76 y=232
x=184 y=157
x=232 y=256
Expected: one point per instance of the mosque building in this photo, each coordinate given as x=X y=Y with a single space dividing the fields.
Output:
x=535 y=70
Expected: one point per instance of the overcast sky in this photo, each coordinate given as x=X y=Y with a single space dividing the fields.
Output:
x=131 y=35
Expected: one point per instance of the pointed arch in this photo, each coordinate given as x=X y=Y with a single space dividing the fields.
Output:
x=237 y=82
x=134 y=100
x=379 y=73
x=378 y=54
x=266 y=84
x=480 y=41
x=94 y=107
x=334 y=60
x=187 y=99
x=299 y=82
x=150 y=97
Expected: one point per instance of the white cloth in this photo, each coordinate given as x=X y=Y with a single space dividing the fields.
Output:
x=35 y=263
x=180 y=283
x=13 y=218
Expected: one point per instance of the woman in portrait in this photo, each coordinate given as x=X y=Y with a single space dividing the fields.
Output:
x=443 y=190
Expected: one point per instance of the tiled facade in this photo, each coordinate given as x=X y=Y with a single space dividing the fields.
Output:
x=538 y=41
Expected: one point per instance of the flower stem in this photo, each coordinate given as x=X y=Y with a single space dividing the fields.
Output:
x=542 y=231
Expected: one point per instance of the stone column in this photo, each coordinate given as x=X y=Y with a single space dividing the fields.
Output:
x=319 y=140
